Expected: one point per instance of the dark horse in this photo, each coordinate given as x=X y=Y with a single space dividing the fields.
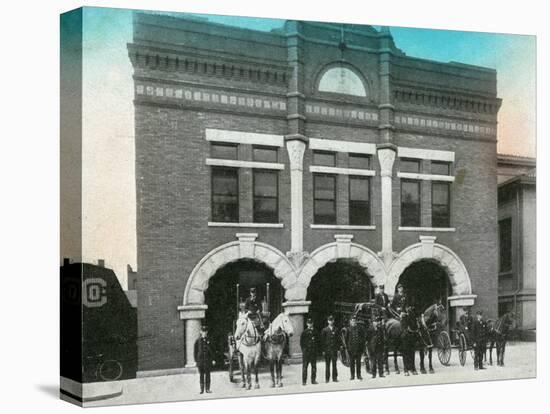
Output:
x=497 y=333
x=421 y=337
x=431 y=322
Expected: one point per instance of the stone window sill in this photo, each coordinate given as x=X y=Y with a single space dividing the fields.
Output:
x=259 y=225
x=437 y=229
x=340 y=227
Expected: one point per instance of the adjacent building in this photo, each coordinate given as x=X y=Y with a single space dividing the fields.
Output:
x=313 y=162
x=517 y=241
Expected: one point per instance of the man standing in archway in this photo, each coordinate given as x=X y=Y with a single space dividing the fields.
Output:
x=381 y=299
x=399 y=302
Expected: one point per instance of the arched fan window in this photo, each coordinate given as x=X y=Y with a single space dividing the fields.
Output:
x=342 y=80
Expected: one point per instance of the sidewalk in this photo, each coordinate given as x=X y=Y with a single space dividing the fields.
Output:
x=520 y=360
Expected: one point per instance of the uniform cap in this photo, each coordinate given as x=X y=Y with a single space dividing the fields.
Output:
x=253 y=290
x=330 y=318
x=204 y=328
x=309 y=320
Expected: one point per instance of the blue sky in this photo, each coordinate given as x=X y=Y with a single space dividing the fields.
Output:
x=109 y=127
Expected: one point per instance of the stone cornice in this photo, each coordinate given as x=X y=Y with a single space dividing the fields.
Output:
x=252 y=71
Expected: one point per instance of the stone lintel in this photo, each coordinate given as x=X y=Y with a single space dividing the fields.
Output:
x=295 y=307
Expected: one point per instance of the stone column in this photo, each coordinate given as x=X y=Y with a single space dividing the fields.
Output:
x=386 y=158
x=192 y=315
x=296 y=310
x=296 y=147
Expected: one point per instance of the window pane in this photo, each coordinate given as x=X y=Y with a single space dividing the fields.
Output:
x=325 y=212
x=408 y=165
x=265 y=184
x=505 y=244
x=324 y=187
x=224 y=181
x=359 y=189
x=359 y=213
x=265 y=210
x=225 y=151
x=327 y=159
x=359 y=161
x=264 y=154
x=440 y=216
x=440 y=193
x=225 y=198
x=441 y=168
x=410 y=203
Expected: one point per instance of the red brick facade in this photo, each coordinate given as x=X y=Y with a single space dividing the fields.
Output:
x=192 y=76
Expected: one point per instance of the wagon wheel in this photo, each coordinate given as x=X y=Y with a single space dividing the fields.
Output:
x=462 y=349
x=444 y=348
x=343 y=356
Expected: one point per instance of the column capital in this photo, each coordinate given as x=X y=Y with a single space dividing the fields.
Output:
x=296 y=148
x=296 y=307
x=192 y=311
x=386 y=158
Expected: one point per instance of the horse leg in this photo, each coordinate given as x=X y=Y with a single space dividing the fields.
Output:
x=503 y=348
x=395 y=364
x=272 y=371
x=491 y=345
x=430 y=361
x=280 y=371
x=421 y=352
x=256 y=363
x=241 y=368
x=248 y=375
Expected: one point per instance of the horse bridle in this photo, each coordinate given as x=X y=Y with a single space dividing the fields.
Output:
x=245 y=336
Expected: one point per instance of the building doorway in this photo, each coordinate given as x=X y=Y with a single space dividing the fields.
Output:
x=337 y=282
x=425 y=282
x=228 y=287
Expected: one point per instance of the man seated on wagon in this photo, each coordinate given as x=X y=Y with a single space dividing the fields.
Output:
x=465 y=323
x=253 y=309
x=397 y=306
x=381 y=299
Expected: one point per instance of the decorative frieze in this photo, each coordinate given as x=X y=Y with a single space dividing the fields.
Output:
x=176 y=93
x=414 y=121
x=323 y=110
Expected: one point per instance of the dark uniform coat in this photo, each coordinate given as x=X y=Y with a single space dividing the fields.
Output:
x=398 y=303
x=479 y=330
x=382 y=300
x=253 y=305
x=309 y=342
x=203 y=353
x=355 y=339
x=330 y=340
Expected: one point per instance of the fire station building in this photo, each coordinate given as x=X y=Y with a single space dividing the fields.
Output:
x=312 y=162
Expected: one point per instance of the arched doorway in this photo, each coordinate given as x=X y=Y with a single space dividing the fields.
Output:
x=227 y=288
x=343 y=280
x=425 y=282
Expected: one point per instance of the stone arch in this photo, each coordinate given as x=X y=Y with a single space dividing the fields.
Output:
x=230 y=252
x=341 y=249
x=428 y=250
x=354 y=79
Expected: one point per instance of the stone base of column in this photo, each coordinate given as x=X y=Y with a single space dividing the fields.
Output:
x=296 y=311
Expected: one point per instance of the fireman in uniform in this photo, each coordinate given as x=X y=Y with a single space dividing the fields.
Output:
x=253 y=309
x=378 y=346
x=398 y=302
x=355 y=342
x=330 y=341
x=479 y=338
x=309 y=342
x=381 y=299
x=203 y=357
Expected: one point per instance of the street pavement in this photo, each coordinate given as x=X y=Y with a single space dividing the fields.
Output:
x=520 y=362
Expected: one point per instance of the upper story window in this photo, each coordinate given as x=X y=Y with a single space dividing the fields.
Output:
x=361 y=161
x=264 y=154
x=409 y=165
x=342 y=80
x=441 y=204
x=324 y=199
x=266 y=196
x=324 y=158
x=224 y=151
x=359 y=201
x=225 y=195
x=410 y=203
x=441 y=168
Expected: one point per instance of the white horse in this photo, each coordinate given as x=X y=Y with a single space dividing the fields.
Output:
x=275 y=338
x=249 y=344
